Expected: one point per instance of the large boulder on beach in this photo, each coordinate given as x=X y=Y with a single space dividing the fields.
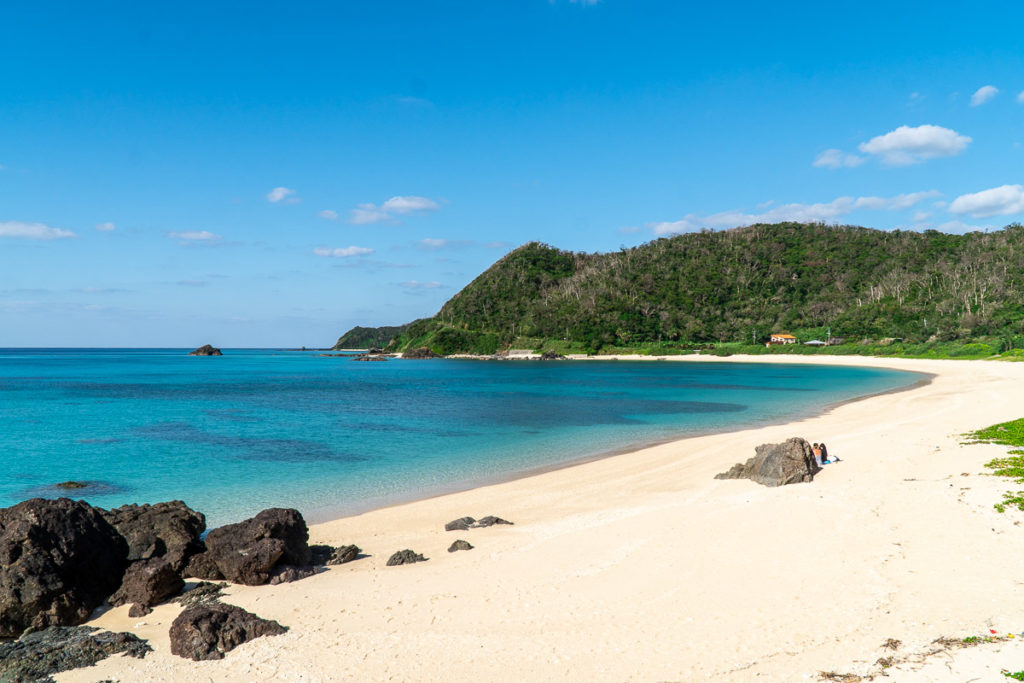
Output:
x=777 y=464
x=246 y=552
x=147 y=583
x=405 y=557
x=169 y=530
x=36 y=655
x=206 y=350
x=59 y=560
x=209 y=630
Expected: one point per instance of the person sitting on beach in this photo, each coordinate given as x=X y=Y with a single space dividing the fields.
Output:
x=816 y=449
x=824 y=454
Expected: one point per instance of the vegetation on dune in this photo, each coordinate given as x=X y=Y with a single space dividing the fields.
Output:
x=927 y=294
x=1012 y=465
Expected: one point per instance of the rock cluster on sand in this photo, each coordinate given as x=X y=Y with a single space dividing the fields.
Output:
x=329 y=555
x=62 y=648
x=59 y=560
x=208 y=630
x=459 y=545
x=405 y=557
x=777 y=464
x=206 y=350
x=464 y=523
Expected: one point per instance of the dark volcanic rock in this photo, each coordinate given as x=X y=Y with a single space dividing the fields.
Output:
x=147 y=583
x=405 y=557
x=246 y=552
x=202 y=566
x=209 y=630
x=369 y=358
x=776 y=464
x=490 y=520
x=463 y=523
x=551 y=355
x=70 y=485
x=169 y=530
x=329 y=555
x=61 y=648
x=420 y=353
x=59 y=560
x=286 y=573
x=459 y=545
x=206 y=350
x=460 y=524
x=203 y=592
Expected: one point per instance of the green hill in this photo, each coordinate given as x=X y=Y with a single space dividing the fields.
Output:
x=739 y=286
x=368 y=337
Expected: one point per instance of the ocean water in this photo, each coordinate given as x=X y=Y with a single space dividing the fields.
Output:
x=252 y=429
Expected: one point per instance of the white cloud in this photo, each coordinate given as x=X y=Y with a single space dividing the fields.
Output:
x=801 y=213
x=328 y=214
x=194 y=236
x=431 y=243
x=996 y=201
x=629 y=229
x=32 y=231
x=1020 y=98
x=413 y=284
x=834 y=158
x=399 y=205
x=983 y=95
x=105 y=227
x=342 y=252
x=922 y=216
x=409 y=204
x=279 y=194
x=906 y=145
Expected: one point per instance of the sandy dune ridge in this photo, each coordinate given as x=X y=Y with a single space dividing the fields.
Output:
x=642 y=567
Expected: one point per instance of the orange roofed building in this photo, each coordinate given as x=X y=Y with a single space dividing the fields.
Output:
x=782 y=339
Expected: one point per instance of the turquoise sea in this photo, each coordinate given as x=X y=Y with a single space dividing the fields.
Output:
x=252 y=429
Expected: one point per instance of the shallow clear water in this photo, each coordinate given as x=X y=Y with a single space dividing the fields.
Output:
x=232 y=435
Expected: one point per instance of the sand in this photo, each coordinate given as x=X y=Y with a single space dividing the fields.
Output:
x=643 y=567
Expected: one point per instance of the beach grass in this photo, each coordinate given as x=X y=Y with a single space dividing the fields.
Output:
x=1012 y=465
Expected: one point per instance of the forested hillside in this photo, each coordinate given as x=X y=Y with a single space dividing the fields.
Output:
x=741 y=285
x=368 y=337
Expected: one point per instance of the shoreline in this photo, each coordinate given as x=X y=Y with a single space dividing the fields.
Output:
x=643 y=567
x=324 y=515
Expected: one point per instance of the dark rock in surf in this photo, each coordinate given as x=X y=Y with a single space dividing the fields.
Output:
x=405 y=557
x=59 y=560
x=247 y=551
x=419 y=354
x=36 y=655
x=169 y=530
x=147 y=583
x=208 y=631
x=551 y=355
x=459 y=545
x=206 y=350
x=777 y=464
x=70 y=485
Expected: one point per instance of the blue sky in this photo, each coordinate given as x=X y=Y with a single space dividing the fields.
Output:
x=252 y=174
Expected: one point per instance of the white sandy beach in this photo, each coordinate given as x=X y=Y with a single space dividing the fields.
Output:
x=643 y=567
